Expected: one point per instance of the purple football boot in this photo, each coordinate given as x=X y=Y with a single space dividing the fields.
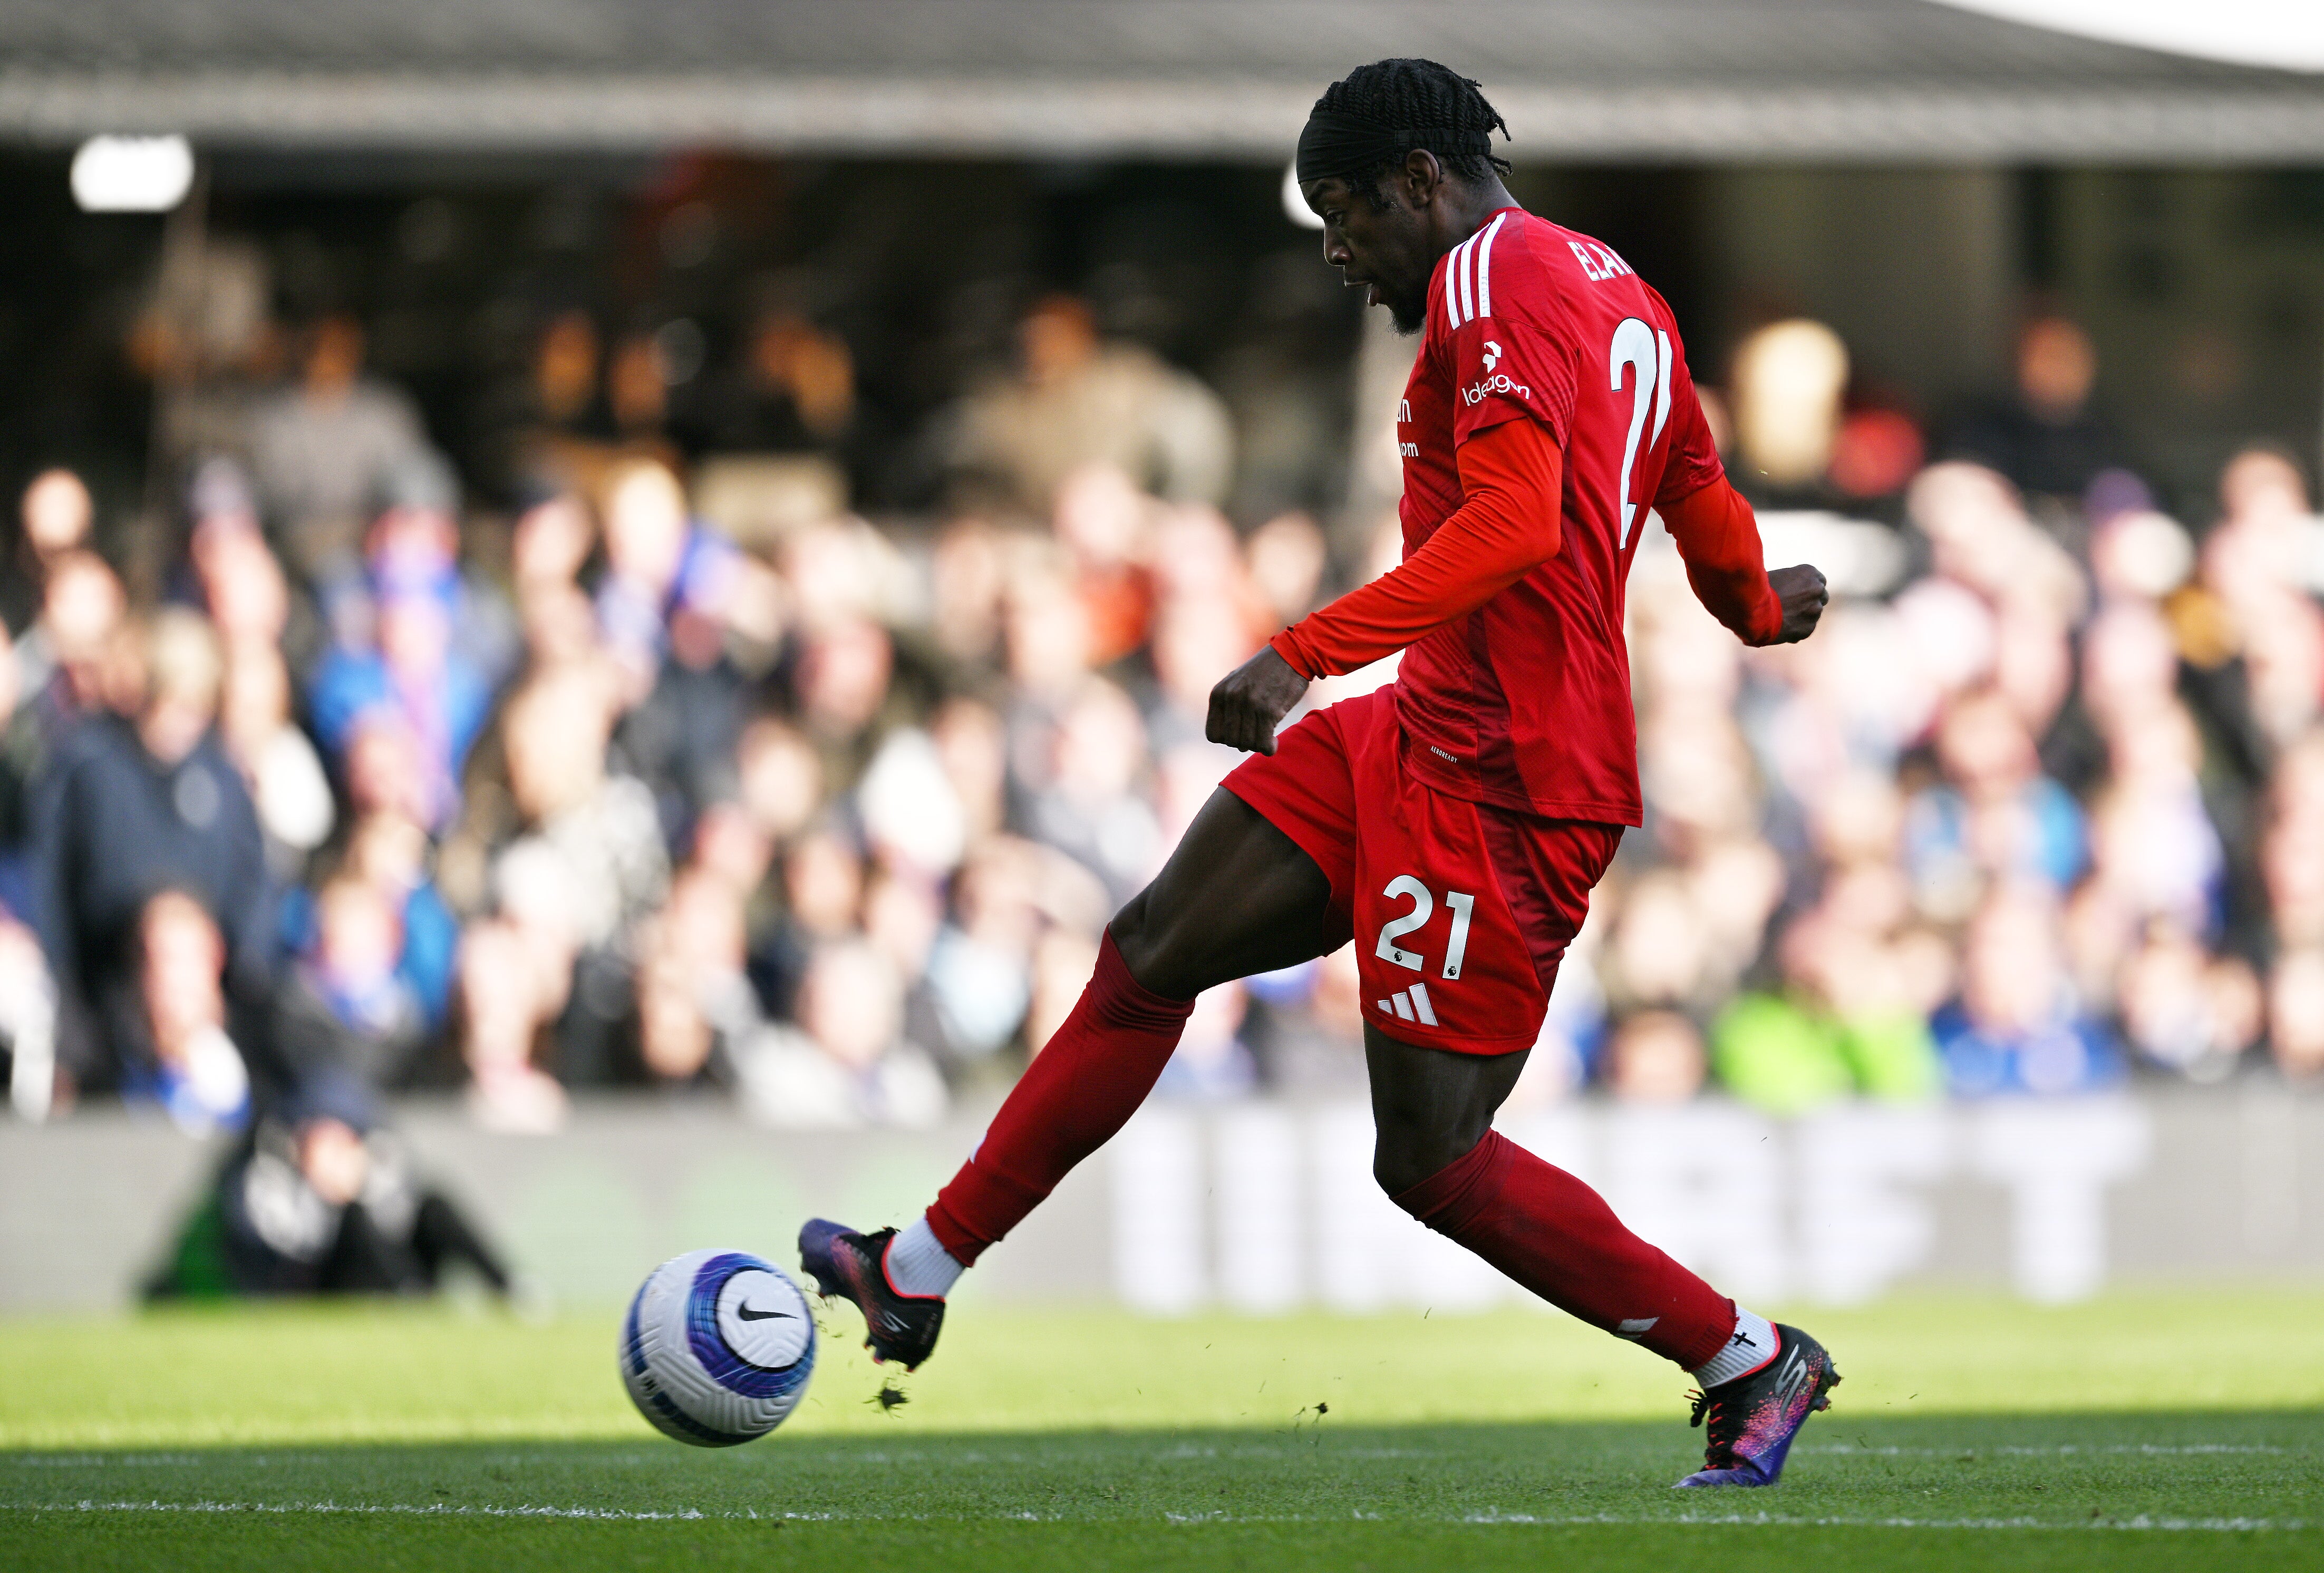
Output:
x=846 y=1265
x=1753 y=1418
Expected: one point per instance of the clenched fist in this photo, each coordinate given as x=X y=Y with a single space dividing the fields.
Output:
x=1251 y=701
x=1801 y=591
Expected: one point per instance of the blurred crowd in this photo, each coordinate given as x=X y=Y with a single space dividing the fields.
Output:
x=672 y=774
x=2037 y=816
x=591 y=792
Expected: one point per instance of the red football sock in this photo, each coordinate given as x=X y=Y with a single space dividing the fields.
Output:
x=1558 y=1237
x=1081 y=1088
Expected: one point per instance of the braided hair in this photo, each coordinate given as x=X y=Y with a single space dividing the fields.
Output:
x=1446 y=113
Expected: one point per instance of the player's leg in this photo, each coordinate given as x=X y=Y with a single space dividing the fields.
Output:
x=1430 y=1107
x=1237 y=897
x=1439 y=1158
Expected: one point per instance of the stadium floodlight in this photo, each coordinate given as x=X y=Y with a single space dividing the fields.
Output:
x=132 y=174
x=1294 y=204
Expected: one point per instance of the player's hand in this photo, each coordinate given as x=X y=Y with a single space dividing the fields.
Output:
x=1801 y=591
x=1251 y=701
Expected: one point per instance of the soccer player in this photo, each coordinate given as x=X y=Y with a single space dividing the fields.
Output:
x=1452 y=824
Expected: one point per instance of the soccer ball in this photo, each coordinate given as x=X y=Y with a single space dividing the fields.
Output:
x=717 y=1347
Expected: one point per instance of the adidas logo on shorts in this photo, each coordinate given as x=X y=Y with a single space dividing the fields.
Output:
x=1409 y=1005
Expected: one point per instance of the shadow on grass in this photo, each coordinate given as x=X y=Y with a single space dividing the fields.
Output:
x=2112 y=1492
x=2052 y=1470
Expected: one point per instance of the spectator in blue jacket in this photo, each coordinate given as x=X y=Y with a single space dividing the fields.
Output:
x=129 y=807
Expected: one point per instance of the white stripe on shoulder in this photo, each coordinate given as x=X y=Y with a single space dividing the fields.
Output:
x=1485 y=265
x=1451 y=290
x=1469 y=279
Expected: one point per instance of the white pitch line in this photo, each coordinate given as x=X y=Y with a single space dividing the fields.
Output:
x=2137 y=1522
x=2140 y=1523
x=101 y=1461
x=2058 y=1450
x=417 y=1510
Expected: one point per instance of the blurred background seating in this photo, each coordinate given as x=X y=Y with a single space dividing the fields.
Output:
x=731 y=626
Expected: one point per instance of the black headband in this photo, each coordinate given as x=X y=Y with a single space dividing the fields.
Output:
x=1331 y=144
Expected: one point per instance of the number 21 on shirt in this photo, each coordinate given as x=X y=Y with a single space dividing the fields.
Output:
x=1639 y=355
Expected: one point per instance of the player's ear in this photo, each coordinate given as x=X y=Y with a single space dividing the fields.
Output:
x=1423 y=177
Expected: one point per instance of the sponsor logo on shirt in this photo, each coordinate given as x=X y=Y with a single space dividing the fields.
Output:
x=1499 y=383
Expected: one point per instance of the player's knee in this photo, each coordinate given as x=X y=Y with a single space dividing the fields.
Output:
x=1130 y=933
x=1390 y=1175
x=1147 y=948
x=1403 y=1164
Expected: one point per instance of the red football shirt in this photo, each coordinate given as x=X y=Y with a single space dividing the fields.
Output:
x=1525 y=702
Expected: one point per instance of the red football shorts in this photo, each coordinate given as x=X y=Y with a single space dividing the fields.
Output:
x=1461 y=911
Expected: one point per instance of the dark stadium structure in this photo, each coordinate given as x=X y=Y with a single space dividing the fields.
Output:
x=1852 y=80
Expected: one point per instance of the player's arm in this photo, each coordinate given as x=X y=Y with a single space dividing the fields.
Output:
x=1718 y=537
x=1507 y=525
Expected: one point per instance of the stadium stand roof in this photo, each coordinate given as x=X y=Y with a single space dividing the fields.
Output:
x=1728 y=80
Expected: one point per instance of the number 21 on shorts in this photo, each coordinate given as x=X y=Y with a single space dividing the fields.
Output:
x=1403 y=887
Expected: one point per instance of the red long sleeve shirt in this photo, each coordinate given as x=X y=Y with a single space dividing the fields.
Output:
x=1507 y=525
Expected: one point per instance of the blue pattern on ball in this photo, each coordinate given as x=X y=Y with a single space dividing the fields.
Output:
x=725 y=1366
x=634 y=1350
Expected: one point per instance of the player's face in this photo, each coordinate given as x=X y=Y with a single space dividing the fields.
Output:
x=1377 y=240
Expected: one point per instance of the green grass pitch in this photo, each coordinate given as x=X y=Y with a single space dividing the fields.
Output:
x=2162 y=1431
